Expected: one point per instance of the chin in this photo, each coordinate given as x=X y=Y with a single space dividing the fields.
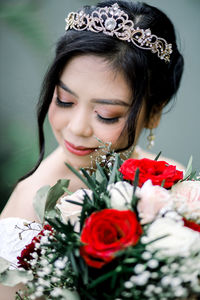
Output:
x=77 y=161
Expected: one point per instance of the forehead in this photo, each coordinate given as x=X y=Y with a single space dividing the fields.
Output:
x=94 y=76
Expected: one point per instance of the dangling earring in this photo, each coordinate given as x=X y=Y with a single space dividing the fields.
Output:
x=151 y=138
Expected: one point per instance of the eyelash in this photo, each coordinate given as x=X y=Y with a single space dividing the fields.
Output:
x=63 y=104
x=100 y=118
x=107 y=120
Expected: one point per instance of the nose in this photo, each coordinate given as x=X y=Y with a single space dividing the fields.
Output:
x=80 y=123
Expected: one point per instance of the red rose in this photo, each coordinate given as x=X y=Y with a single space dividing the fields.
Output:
x=192 y=225
x=106 y=232
x=157 y=171
x=26 y=254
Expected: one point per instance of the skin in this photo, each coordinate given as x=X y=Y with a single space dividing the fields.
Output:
x=98 y=100
x=95 y=93
x=99 y=106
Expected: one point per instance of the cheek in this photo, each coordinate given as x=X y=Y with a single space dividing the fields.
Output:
x=56 y=118
x=111 y=134
x=52 y=115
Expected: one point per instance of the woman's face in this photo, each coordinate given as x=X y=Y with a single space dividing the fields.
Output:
x=92 y=100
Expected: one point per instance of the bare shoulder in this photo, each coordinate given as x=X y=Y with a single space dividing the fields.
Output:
x=146 y=154
x=20 y=203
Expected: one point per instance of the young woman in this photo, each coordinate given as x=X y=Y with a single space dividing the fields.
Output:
x=115 y=69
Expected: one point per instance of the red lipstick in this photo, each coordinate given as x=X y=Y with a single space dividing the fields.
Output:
x=78 y=150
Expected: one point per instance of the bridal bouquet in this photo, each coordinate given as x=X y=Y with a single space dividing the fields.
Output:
x=133 y=234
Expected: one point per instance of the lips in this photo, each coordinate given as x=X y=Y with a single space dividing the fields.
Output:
x=78 y=150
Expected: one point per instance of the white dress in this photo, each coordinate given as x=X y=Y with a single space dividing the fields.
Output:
x=15 y=234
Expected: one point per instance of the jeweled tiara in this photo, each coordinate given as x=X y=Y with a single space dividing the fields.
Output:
x=115 y=22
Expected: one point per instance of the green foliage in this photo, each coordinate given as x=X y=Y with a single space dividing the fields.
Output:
x=189 y=173
x=188 y=169
x=115 y=174
x=53 y=195
x=157 y=156
x=90 y=282
x=4 y=265
x=39 y=202
x=97 y=183
x=14 y=277
x=64 y=245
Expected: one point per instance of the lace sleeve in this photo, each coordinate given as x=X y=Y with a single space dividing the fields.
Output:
x=15 y=233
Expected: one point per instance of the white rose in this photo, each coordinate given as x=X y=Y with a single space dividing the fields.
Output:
x=121 y=194
x=71 y=211
x=187 y=198
x=181 y=240
x=152 y=199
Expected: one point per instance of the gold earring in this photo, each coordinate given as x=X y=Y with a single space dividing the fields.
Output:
x=151 y=139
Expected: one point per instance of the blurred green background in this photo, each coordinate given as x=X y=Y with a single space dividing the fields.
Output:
x=29 y=30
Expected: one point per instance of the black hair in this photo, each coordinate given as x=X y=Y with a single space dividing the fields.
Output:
x=151 y=79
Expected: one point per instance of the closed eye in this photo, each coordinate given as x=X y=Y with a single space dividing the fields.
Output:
x=62 y=103
x=107 y=120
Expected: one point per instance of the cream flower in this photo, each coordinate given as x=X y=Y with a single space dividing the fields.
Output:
x=71 y=211
x=187 y=198
x=178 y=241
x=121 y=195
x=152 y=199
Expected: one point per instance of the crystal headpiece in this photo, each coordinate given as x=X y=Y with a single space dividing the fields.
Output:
x=115 y=22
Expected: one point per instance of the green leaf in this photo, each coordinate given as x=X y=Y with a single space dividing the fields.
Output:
x=14 y=277
x=74 y=202
x=114 y=170
x=102 y=185
x=106 y=200
x=67 y=191
x=84 y=180
x=73 y=262
x=134 y=202
x=113 y=281
x=84 y=271
x=4 y=265
x=100 y=175
x=54 y=194
x=163 y=183
x=39 y=202
x=192 y=175
x=130 y=260
x=188 y=169
x=157 y=157
x=136 y=179
x=101 y=279
x=90 y=180
x=77 y=174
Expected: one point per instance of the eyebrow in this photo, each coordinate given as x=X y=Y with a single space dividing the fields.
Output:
x=95 y=100
x=64 y=87
x=110 y=102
